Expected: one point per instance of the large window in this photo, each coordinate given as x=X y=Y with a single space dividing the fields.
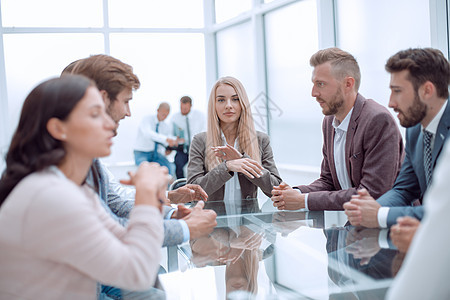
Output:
x=235 y=56
x=181 y=47
x=291 y=39
x=32 y=58
x=156 y=13
x=162 y=40
x=169 y=66
x=51 y=13
x=228 y=9
x=375 y=30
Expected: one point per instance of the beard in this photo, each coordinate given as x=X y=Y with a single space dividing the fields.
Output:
x=415 y=113
x=110 y=112
x=332 y=106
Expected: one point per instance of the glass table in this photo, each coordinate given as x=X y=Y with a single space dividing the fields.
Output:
x=261 y=253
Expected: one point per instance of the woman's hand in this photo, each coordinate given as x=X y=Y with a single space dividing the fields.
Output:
x=150 y=181
x=246 y=166
x=226 y=152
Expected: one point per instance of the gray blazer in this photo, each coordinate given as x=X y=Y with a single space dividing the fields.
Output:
x=213 y=182
x=373 y=151
x=119 y=208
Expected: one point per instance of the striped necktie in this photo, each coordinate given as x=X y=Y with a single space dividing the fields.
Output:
x=427 y=156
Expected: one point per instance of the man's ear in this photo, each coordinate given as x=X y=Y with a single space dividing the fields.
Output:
x=427 y=90
x=105 y=97
x=57 y=129
x=349 y=83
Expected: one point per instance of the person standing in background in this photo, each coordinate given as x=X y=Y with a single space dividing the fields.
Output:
x=154 y=135
x=186 y=124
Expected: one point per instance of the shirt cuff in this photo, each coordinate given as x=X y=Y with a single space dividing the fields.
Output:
x=383 y=238
x=382 y=216
x=186 y=233
x=306 y=199
x=169 y=214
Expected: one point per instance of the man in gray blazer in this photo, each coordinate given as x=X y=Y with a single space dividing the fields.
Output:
x=362 y=143
x=419 y=92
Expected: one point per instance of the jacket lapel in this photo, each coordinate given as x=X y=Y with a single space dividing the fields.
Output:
x=331 y=156
x=441 y=134
x=357 y=108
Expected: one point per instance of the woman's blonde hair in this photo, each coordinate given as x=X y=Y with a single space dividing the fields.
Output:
x=246 y=133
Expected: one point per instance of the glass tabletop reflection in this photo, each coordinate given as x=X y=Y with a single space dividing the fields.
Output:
x=257 y=252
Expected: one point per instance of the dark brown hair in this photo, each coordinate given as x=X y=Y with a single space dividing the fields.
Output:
x=32 y=147
x=186 y=99
x=423 y=64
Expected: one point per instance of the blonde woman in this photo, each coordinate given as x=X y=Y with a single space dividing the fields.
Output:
x=231 y=160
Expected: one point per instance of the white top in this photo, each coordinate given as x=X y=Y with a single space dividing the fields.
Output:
x=232 y=196
x=425 y=270
x=432 y=127
x=57 y=242
x=340 y=137
x=147 y=135
x=197 y=124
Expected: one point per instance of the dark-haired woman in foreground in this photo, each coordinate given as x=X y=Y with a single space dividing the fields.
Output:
x=56 y=240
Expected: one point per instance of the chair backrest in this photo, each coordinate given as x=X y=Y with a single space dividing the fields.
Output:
x=177 y=183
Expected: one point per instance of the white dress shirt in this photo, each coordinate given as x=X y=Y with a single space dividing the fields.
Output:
x=340 y=137
x=197 y=124
x=432 y=127
x=147 y=135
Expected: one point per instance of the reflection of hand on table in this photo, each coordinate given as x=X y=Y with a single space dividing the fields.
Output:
x=403 y=232
x=362 y=243
x=247 y=239
x=287 y=222
x=224 y=246
x=206 y=250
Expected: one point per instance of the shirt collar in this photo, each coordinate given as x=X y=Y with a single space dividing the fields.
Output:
x=344 y=124
x=432 y=127
x=56 y=171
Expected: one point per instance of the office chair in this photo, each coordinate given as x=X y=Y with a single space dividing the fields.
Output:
x=177 y=183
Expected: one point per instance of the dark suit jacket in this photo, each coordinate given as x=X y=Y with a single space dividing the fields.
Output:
x=373 y=150
x=411 y=183
x=213 y=182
